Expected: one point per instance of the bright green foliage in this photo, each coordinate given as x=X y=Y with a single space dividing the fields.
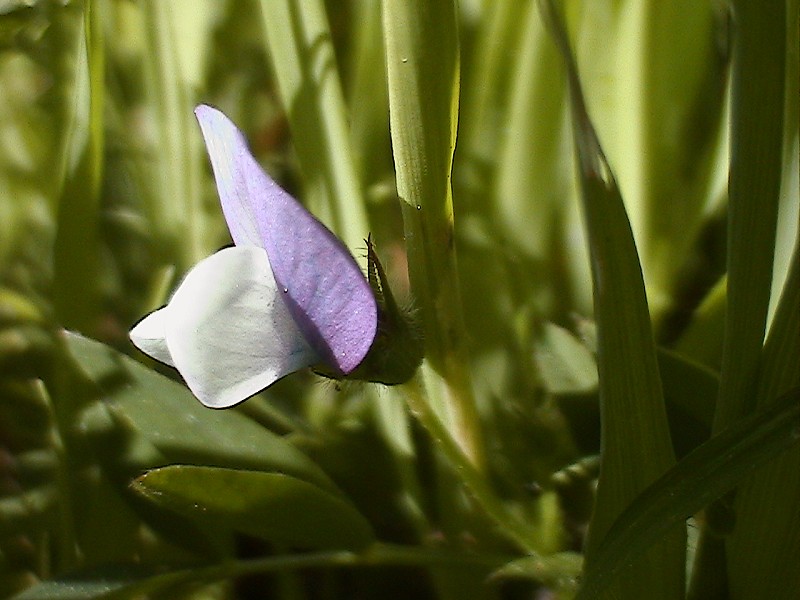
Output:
x=586 y=267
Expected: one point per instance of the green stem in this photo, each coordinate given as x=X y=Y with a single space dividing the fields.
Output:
x=67 y=538
x=422 y=57
x=417 y=400
x=378 y=555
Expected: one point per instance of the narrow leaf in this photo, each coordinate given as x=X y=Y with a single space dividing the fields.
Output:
x=703 y=476
x=758 y=80
x=76 y=295
x=630 y=385
x=172 y=420
x=272 y=506
x=757 y=97
x=175 y=213
x=767 y=503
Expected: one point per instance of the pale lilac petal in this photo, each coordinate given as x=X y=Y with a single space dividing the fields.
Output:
x=241 y=182
x=228 y=332
x=326 y=292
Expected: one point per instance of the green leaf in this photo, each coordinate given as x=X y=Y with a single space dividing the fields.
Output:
x=175 y=212
x=365 y=67
x=655 y=82
x=702 y=340
x=422 y=56
x=688 y=385
x=123 y=452
x=75 y=255
x=534 y=174
x=273 y=506
x=758 y=82
x=492 y=62
x=767 y=502
x=630 y=385
x=89 y=584
x=703 y=476
x=175 y=423
x=559 y=572
x=757 y=102
x=690 y=393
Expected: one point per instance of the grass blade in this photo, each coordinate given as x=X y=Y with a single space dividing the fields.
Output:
x=766 y=503
x=300 y=46
x=703 y=476
x=176 y=212
x=76 y=250
x=630 y=386
x=756 y=138
x=422 y=56
x=759 y=60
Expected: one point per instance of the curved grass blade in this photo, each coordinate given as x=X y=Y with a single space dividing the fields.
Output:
x=767 y=503
x=703 y=476
x=632 y=457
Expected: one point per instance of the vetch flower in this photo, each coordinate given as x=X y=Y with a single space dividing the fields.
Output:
x=287 y=295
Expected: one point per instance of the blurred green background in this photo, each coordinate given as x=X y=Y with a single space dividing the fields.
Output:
x=106 y=199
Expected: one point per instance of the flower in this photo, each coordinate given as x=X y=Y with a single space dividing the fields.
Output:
x=286 y=296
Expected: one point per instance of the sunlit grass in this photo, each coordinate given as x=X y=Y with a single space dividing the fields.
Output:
x=449 y=134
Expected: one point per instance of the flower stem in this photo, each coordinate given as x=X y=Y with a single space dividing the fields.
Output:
x=422 y=57
x=377 y=555
x=478 y=485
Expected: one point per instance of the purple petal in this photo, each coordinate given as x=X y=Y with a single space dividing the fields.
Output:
x=324 y=288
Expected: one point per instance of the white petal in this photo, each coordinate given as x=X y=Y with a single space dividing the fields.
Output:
x=229 y=332
x=149 y=336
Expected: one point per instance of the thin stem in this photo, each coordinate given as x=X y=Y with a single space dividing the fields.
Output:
x=423 y=75
x=417 y=400
x=378 y=555
x=67 y=538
